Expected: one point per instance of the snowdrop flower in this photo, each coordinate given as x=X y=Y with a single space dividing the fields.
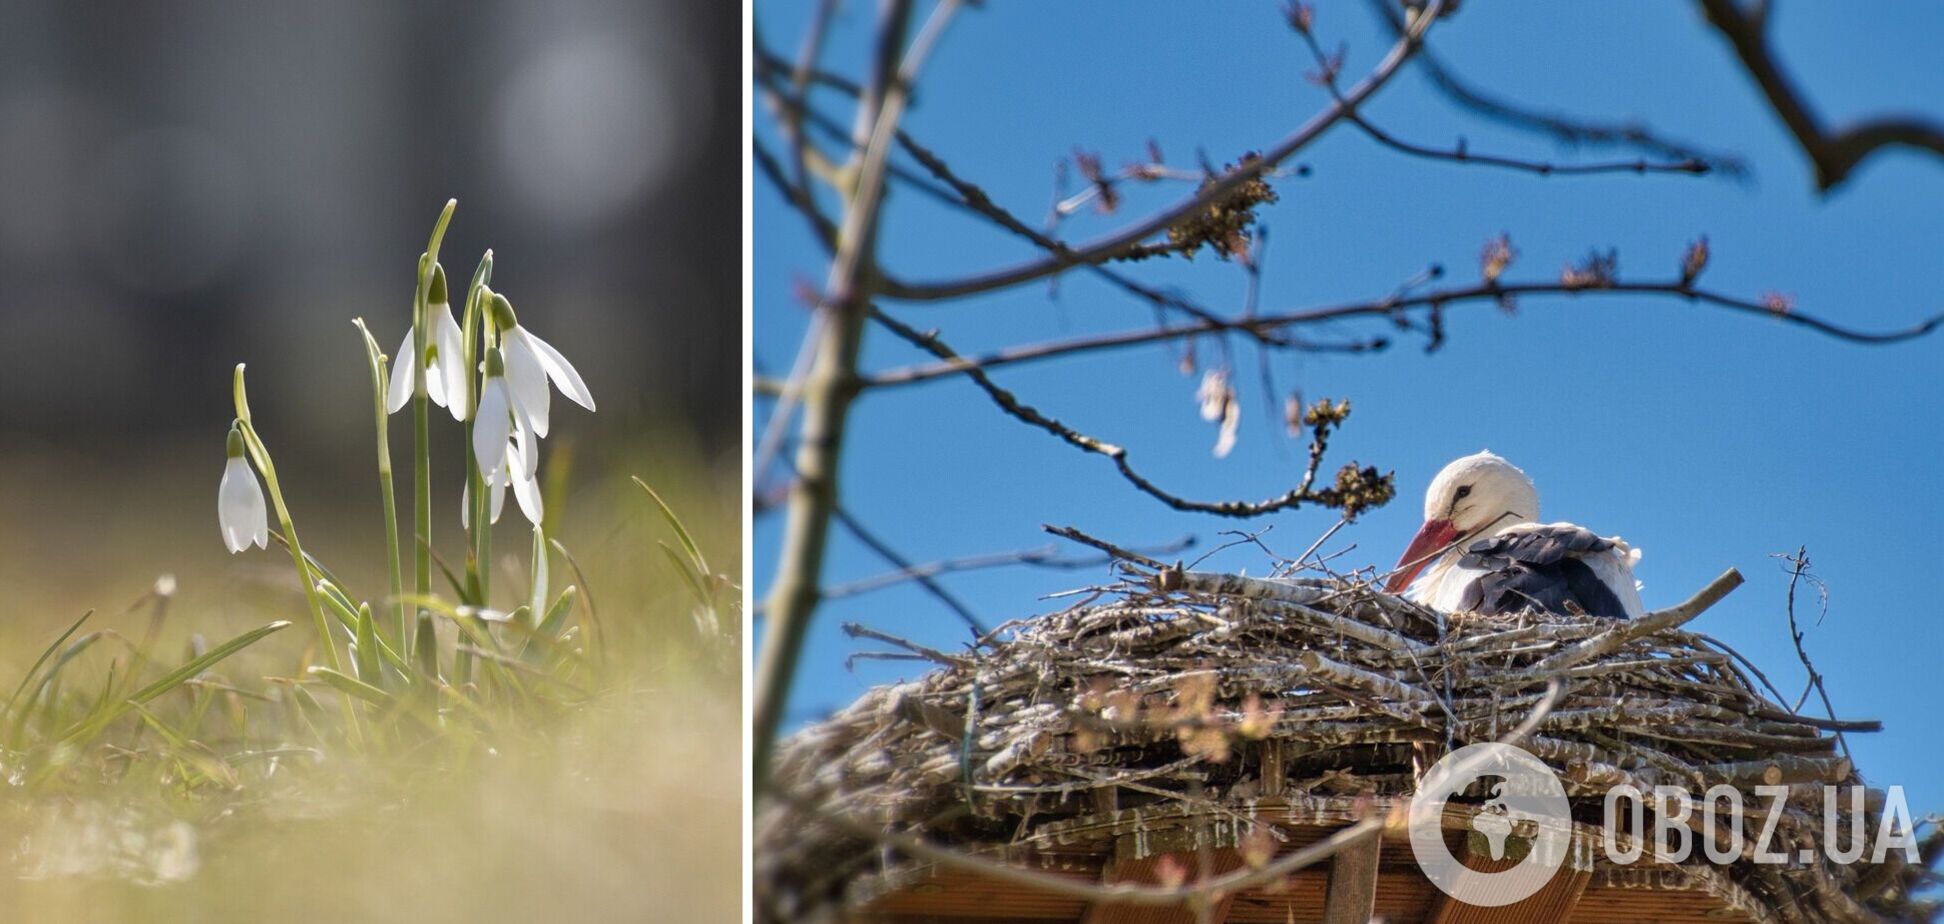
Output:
x=445 y=376
x=513 y=471
x=239 y=501
x=530 y=363
x=497 y=420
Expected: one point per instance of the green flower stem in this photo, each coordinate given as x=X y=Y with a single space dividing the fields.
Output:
x=380 y=385
x=260 y=455
x=476 y=556
x=306 y=575
x=475 y=325
x=482 y=515
x=421 y=443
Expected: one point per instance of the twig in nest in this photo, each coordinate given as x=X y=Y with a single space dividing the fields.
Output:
x=1798 y=570
x=1649 y=624
x=854 y=630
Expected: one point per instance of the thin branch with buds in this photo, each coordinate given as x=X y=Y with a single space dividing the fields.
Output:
x=1216 y=191
x=1353 y=490
x=1390 y=307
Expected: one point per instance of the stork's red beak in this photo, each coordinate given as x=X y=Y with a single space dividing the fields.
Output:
x=1432 y=537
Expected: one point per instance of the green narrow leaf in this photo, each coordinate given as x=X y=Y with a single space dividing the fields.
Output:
x=342 y=607
x=48 y=689
x=557 y=614
x=94 y=724
x=352 y=686
x=675 y=523
x=687 y=573
x=44 y=655
x=367 y=659
x=594 y=638
x=458 y=587
x=537 y=601
x=310 y=709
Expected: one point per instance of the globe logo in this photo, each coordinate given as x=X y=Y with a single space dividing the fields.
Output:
x=1525 y=817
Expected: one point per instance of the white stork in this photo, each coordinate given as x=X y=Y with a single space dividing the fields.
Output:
x=1482 y=549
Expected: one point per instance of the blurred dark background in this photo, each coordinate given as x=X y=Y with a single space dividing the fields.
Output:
x=188 y=184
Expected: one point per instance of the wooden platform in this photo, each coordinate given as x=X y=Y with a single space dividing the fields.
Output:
x=1380 y=879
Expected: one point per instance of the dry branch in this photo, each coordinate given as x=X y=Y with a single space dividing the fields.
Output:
x=1833 y=154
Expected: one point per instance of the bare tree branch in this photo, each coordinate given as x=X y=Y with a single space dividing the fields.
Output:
x=1388 y=307
x=906 y=566
x=1327 y=66
x=1833 y=155
x=1213 y=193
x=828 y=391
x=1354 y=489
x=1566 y=129
x=1043 y=557
x=1462 y=154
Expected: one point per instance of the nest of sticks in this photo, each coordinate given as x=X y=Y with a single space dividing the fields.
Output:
x=1176 y=689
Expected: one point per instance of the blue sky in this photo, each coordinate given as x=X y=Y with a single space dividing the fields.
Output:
x=1709 y=440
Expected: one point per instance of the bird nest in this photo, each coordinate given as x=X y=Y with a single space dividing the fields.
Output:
x=1177 y=694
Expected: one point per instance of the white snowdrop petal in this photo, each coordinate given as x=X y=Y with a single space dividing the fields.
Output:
x=451 y=368
x=491 y=429
x=259 y=514
x=228 y=509
x=499 y=494
x=524 y=455
x=558 y=368
x=527 y=492
x=527 y=379
x=435 y=386
x=239 y=507
x=401 y=376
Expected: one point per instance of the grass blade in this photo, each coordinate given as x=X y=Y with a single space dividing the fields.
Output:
x=352 y=686
x=44 y=655
x=675 y=523
x=94 y=724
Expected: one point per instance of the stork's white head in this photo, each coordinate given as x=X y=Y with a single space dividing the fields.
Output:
x=1474 y=497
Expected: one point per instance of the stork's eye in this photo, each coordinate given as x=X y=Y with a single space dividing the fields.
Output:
x=1464 y=491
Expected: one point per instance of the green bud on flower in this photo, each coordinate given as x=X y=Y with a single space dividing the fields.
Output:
x=235 y=441
x=503 y=316
x=438 y=295
x=495 y=363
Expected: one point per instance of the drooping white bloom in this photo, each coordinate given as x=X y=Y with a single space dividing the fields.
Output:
x=505 y=442
x=445 y=373
x=239 y=501
x=492 y=428
x=530 y=363
x=526 y=483
x=515 y=472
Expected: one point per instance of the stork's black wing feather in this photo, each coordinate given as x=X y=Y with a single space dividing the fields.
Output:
x=1539 y=569
x=1542 y=545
